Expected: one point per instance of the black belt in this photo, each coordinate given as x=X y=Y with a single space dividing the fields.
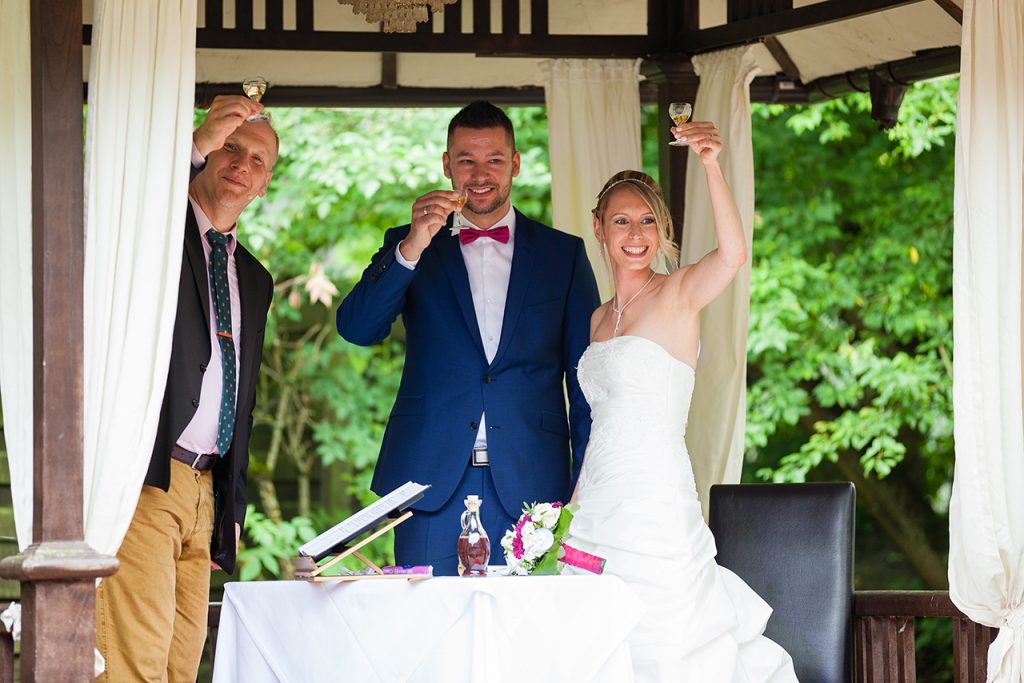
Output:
x=478 y=458
x=197 y=461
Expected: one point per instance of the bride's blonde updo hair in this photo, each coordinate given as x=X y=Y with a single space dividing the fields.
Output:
x=649 y=190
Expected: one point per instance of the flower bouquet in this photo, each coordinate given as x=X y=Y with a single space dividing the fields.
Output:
x=535 y=544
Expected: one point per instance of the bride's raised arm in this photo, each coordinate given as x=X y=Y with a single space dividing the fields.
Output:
x=700 y=283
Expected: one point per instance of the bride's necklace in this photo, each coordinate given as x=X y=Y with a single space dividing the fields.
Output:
x=618 y=311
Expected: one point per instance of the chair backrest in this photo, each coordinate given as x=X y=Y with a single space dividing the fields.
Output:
x=793 y=544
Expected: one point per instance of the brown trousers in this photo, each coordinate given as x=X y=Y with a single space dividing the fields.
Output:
x=151 y=615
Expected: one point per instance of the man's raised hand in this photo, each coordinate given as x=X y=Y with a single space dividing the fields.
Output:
x=226 y=114
x=429 y=214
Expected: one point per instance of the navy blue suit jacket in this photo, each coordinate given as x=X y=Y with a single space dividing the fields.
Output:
x=448 y=383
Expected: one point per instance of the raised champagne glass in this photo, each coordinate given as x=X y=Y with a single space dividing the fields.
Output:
x=254 y=89
x=680 y=113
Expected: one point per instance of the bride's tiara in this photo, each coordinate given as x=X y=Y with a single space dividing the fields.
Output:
x=635 y=177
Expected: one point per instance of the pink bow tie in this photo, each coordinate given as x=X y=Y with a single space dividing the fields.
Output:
x=470 y=235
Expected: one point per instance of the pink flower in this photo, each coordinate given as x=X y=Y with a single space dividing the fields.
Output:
x=517 y=542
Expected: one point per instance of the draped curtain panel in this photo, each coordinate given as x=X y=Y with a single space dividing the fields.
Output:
x=138 y=146
x=16 y=258
x=986 y=513
x=593 y=108
x=715 y=432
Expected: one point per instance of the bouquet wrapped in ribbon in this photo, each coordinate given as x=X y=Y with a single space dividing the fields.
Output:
x=535 y=544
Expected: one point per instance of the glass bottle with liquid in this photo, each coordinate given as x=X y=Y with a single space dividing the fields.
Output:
x=474 y=547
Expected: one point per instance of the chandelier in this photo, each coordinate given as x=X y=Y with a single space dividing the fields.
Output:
x=397 y=16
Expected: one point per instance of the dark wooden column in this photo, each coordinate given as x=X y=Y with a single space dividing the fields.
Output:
x=58 y=571
x=675 y=81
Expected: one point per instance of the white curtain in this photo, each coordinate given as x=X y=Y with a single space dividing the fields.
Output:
x=714 y=435
x=16 y=258
x=986 y=513
x=593 y=108
x=138 y=145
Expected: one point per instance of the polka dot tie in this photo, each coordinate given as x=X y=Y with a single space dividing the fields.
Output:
x=221 y=293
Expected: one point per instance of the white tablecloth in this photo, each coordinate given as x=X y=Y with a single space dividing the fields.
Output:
x=445 y=629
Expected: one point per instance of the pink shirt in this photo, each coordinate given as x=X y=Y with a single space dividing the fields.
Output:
x=200 y=436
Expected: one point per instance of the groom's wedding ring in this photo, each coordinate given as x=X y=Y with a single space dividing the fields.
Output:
x=424 y=211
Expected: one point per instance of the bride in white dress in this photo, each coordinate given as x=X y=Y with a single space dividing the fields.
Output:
x=638 y=503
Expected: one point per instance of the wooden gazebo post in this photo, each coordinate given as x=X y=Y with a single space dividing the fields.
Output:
x=671 y=72
x=675 y=81
x=58 y=571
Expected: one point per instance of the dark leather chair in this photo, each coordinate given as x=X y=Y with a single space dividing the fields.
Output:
x=793 y=544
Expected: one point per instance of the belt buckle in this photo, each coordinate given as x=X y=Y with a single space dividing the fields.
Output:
x=479 y=458
x=196 y=461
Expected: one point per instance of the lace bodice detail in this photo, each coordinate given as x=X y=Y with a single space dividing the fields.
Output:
x=632 y=383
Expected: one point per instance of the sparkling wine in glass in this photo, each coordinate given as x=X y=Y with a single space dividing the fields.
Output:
x=254 y=89
x=680 y=113
x=458 y=221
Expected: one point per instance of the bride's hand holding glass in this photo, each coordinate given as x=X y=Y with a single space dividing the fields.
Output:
x=702 y=137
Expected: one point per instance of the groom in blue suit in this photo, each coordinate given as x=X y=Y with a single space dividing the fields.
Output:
x=496 y=309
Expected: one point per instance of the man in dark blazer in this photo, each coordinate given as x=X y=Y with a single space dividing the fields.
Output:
x=151 y=615
x=496 y=315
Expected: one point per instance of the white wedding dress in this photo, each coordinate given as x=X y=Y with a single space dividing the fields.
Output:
x=639 y=510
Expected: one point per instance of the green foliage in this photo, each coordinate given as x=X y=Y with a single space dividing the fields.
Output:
x=272 y=544
x=851 y=290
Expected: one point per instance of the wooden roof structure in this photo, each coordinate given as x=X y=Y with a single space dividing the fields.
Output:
x=317 y=52
x=807 y=50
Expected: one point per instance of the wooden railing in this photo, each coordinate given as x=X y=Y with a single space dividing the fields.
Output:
x=883 y=636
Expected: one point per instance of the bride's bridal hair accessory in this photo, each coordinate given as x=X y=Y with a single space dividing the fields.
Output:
x=618 y=311
x=535 y=544
x=650 y=192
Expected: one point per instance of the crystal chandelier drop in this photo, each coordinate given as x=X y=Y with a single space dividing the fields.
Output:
x=397 y=16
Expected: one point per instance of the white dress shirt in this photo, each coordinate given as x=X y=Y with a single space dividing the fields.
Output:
x=489 y=265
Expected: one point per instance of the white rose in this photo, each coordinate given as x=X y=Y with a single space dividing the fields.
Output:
x=506 y=540
x=546 y=515
x=539 y=543
x=516 y=570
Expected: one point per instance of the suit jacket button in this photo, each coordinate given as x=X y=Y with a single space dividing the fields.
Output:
x=202 y=367
x=474 y=425
x=195 y=403
x=487 y=379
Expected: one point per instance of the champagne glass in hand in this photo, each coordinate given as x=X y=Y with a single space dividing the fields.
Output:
x=254 y=88
x=680 y=113
x=458 y=222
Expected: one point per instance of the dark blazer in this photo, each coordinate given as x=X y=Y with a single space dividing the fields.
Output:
x=447 y=382
x=190 y=352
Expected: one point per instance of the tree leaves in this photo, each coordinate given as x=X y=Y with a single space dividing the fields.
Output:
x=851 y=289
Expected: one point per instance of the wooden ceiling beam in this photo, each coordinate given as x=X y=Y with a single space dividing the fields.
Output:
x=493 y=45
x=952 y=9
x=773 y=89
x=776 y=23
x=781 y=55
x=922 y=66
